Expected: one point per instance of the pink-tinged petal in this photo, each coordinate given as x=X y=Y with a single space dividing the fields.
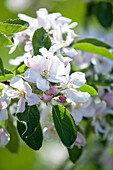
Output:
x=38 y=63
x=17 y=82
x=3 y=105
x=80 y=140
x=42 y=84
x=53 y=90
x=4 y=137
x=21 y=105
x=108 y=97
x=78 y=79
x=77 y=96
x=31 y=75
x=32 y=99
x=100 y=107
x=46 y=98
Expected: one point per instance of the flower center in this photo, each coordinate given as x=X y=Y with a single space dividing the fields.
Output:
x=45 y=74
x=21 y=94
x=63 y=44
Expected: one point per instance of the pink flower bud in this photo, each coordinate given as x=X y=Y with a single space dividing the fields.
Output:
x=62 y=99
x=4 y=137
x=109 y=99
x=53 y=90
x=46 y=98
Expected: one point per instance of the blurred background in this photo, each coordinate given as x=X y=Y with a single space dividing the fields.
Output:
x=95 y=20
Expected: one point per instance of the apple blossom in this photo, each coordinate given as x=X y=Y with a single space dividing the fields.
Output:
x=24 y=93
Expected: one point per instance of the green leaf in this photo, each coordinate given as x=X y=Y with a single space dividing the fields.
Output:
x=1 y=67
x=103 y=12
x=8 y=28
x=100 y=79
x=84 y=46
x=21 y=69
x=17 y=21
x=4 y=40
x=1 y=87
x=8 y=75
x=64 y=124
x=40 y=39
x=30 y=117
x=35 y=140
x=95 y=42
x=14 y=143
x=89 y=89
x=29 y=128
x=75 y=153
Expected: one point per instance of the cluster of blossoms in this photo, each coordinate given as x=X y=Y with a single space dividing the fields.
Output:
x=48 y=79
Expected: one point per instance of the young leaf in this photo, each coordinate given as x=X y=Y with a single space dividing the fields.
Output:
x=20 y=69
x=4 y=40
x=95 y=42
x=17 y=21
x=8 y=28
x=13 y=145
x=40 y=39
x=7 y=77
x=35 y=140
x=1 y=67
x=64 y=124
x=89 y=89
x=75 y=153
x=94 y=48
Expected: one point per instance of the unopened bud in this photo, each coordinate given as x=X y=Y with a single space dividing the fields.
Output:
x=53 y=90
x=62 y=99
x=46 y=98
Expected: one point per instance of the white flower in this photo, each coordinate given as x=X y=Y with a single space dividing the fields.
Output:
x=25 y=92
x=74 y=81
x=43 y=70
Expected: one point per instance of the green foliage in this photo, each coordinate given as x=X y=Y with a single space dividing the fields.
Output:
x=1 y=68
x=20 y=69
x=8 y=28
x=4 y=40
x=64 y=124
x=100 y=80
x=89 y=89
x=17 y=21
x=95 y=42
x=8 y=75
x=13 y=145
x=40 y=39
x=29 y=128
x=75 y=153
x=103 y=12
x=94 y=46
